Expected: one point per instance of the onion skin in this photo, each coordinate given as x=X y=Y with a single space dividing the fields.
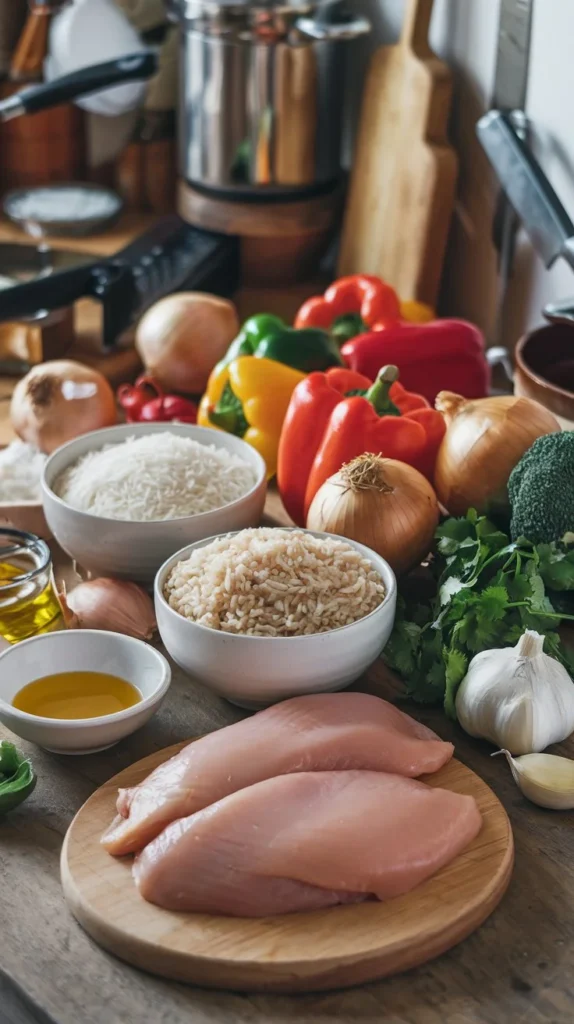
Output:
x=60 y=400
x=484 y=441
x=115 y=605
x=183 y=336
x=397 y=516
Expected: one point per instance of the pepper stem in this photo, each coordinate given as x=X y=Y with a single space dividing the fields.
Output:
x=378 y=393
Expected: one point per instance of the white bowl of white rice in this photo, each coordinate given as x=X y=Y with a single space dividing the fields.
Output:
x=120 y=501
x=21 y=468
x=266 y=614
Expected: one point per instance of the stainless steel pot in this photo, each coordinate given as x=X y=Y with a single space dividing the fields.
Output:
x=262 y=94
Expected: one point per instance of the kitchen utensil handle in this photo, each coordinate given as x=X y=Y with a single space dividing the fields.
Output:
x=415 y=34
x=131 y=68
x=543 y=216
x=55 y=291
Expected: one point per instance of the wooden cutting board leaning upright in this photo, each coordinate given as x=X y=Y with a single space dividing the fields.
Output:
x=404 y=172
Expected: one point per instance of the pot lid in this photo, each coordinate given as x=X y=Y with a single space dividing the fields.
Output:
x=205 y=9
x=271 y=20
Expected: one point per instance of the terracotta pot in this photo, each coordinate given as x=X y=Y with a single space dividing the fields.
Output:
x=545 y=370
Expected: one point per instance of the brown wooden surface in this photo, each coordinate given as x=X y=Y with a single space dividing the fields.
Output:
x=281 y=243
x=44 y=147
x=518 y=968
x=404 y=172
x=339 y=947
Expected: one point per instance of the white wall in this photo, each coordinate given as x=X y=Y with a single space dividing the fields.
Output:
x=464 y=32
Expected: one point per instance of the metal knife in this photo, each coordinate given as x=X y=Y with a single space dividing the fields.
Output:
x=527 y=188
x=511 y=80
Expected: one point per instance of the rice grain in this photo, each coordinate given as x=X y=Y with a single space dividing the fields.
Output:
x=273 y=582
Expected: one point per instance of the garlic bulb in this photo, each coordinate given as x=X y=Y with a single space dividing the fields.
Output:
x=518 y=698
x=545 y=779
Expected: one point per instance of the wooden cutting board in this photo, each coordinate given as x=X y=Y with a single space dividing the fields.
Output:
x=404 y=173
x=326 y=949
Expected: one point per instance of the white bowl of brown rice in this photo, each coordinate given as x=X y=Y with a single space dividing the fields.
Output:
x=260 y=615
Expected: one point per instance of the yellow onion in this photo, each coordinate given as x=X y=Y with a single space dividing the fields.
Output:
x=59 y=400
x=383 y=503
x=114 y=605
x=183 y=336
x=485 y=439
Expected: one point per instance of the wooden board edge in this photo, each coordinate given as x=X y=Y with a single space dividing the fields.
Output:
x=290 y=978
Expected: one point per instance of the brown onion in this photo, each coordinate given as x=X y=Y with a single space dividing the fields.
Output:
x=485 y=439
x=114 y=605
x=383 y=503
x=183 y=336
x=59 y=400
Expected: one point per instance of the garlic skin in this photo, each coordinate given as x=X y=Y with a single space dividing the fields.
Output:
x=544 y=779
x=518 y=698
x=114 y=605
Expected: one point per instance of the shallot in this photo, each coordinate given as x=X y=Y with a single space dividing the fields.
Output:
x=115 y=605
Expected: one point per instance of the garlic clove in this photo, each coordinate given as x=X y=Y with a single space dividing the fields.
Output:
x=545 y=779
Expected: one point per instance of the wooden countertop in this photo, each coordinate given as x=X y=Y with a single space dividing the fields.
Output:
x=517 y=969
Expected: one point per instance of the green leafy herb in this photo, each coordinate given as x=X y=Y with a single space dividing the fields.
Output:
x=487 y=591
x=17 y=778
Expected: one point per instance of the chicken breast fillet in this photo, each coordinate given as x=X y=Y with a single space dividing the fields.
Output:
x=304 y=842
x=321 y=732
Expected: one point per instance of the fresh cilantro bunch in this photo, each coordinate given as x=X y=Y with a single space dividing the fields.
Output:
x=486 y=590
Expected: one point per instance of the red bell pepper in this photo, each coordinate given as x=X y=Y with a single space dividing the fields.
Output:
x=350 y=305
x=445 y=355
x=337 y=415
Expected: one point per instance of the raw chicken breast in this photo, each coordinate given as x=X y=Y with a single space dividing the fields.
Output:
x=322 y=732
x=306 y=841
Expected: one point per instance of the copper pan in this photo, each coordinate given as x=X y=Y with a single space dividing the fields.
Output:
x=545 y=370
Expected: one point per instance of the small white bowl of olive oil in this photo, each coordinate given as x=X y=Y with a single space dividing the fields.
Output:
x=81 y=690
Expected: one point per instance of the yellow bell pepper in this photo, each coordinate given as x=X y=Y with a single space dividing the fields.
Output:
x=249 y=397
x=417 y=312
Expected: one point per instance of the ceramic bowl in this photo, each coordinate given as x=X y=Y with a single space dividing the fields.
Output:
x=82 y=650
x=545 y=370
x=27 y=516
x=255 y=671
x=135 y=551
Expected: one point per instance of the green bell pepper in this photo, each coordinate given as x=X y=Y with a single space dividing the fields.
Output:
x=17 y=777
x=268 y=337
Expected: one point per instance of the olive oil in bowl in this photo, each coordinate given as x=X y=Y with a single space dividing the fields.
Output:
x=76 y=695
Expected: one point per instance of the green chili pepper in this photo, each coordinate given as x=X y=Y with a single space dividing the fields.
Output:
x=17 y=777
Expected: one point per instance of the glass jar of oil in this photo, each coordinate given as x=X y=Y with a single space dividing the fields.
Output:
x=28 y=601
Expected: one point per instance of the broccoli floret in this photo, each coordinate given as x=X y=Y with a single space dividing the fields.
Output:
x=541 y=490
